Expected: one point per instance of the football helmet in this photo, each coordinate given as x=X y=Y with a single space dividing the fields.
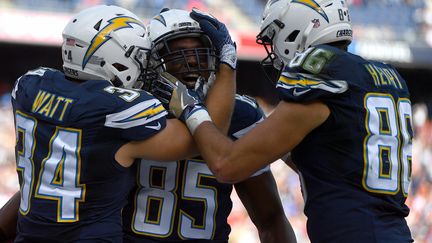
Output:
x=291 y=26
x=105 y=42
x=174 y=24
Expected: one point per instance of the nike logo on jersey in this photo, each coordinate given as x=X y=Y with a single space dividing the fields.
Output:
x=298 y=93
x=157 y=127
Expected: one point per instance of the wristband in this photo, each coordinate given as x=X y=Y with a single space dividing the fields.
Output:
x=196 y=117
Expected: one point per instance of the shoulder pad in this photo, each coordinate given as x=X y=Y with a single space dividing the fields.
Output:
x=40 y=71
x=246 y=99
x=304 y=87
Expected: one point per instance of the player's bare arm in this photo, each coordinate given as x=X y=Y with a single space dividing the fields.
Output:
x=234 y=161
x=220 y=98
x=260 y=197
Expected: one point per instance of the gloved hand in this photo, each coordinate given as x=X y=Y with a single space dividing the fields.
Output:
x=162 y=91
x=185 y=104
x=164 y=87
x=201 y=88
x=219 y=36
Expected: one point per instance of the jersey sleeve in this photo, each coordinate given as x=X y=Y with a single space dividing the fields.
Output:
x=312 y=75
x=247 y=114
x=138 y=120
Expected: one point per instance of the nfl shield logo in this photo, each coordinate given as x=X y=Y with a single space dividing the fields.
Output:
x=316 y=23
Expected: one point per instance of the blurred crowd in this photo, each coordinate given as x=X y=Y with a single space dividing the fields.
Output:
x=397 y=20
x=419 y=201
x=416 y=14
x=9 y=178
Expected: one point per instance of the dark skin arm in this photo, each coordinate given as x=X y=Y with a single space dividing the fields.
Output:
x=220 y=98
x=261 y=199
x=8 y=217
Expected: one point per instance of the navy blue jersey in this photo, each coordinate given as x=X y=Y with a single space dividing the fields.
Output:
x=355 y=167
x=182 y=200
x=67 y=135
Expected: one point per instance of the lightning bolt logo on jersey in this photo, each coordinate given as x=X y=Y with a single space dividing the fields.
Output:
x=360 y=157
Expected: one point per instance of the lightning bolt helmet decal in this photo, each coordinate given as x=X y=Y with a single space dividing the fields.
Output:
x=102 y=36
x=161 y=19
x=313 y=5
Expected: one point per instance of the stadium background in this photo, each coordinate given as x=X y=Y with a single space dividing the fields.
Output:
x=393 y=31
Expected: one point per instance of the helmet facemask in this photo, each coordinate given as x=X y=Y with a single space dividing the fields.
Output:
x=187 y=64
x=272 y=65
x=181 y=48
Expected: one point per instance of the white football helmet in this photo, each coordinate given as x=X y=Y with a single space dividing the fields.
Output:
x=291 y=26
x=105 y=42
x=172 y=24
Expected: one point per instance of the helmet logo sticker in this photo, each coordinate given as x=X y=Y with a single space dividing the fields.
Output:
x=161 y=19
x=103 y=35
x=313 y=5
x=316 y=23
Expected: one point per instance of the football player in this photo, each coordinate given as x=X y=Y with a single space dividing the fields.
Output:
x=182 y=200
x=346 y=120
x=78 y=131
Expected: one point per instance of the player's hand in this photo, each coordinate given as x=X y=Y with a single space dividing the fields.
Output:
x=175 y=96
x=185 y=104
x=162 y=88
x=219 y=36
x=184 y=101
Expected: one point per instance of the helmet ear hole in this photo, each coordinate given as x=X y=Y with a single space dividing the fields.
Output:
x=292 y=36
x=120 y=67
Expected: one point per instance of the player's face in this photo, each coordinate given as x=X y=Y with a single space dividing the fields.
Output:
x=188 y=62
